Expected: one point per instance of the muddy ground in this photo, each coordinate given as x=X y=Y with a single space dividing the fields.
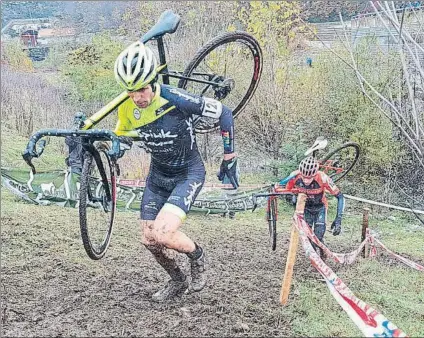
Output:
x=49 y=286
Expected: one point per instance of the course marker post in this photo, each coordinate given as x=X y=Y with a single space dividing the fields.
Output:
x=365 y=215
x=291 y=255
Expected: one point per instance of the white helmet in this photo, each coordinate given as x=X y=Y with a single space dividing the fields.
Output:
x=135 y=67
x=308 y=167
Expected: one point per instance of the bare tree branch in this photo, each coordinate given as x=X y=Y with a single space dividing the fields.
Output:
x=407 y=118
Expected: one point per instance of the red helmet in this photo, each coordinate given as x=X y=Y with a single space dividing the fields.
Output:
x=308 y=167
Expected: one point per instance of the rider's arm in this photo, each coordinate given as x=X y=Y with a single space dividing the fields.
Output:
x=284 y=181
x=286 y=184
x=227 y=131
x=124 y=124
x=195 y=106
x=335 y=191
x=340 y=205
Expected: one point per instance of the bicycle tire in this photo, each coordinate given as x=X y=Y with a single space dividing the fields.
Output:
x=202 y=53
x=272 y=221
x=88 y=186
x=355 y=147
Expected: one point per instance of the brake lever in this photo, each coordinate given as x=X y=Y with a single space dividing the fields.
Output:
x=122 y=149
x=28 y=156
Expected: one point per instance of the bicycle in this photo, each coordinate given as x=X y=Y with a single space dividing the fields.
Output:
x=336 y=164
x=97 y=197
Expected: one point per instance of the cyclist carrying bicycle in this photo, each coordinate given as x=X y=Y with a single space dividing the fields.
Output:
x=163 y=117
x=314 y=183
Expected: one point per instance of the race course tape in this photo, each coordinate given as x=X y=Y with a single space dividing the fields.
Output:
x=371 y=322
x=349 y=258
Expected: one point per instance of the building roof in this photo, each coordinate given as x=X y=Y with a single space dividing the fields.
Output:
x=50 y=32
x=30 y=32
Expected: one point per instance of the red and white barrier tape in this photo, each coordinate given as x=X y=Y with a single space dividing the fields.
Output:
x=373 y=248
x=404 y=260
x=349 y=258
x=367 y=319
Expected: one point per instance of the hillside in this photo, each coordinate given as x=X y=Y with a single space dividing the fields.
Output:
x=50 y=287
x=12 y=146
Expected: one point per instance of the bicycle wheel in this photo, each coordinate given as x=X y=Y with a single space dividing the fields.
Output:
x=271 y=214
x=340 y=161
x=234 y=62
x=97 y=202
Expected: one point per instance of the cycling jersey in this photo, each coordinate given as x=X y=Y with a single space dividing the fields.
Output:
x=166 y=130
x=315 y=191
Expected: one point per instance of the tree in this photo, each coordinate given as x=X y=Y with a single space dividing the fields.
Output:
x=400 y=102
x=265 y=126
x=90 y=68
x=389 y=77
x=14 y=55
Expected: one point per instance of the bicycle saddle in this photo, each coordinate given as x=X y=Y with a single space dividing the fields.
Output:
x=319 y=144
x=167 y=23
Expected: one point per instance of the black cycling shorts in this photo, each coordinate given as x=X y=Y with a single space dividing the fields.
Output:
x=316 y=218
x=173 y=189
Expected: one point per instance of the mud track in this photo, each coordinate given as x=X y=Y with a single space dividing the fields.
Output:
x=51 y=288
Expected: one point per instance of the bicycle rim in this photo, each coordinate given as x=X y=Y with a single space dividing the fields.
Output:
x=272 y=222
x=340 y=161
x=232 y=60
x=97 y=203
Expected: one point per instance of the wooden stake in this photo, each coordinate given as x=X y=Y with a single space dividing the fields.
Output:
x=365 y=250
x=291 y=256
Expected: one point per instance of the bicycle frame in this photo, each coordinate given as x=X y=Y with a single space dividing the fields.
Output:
x=328 y=165
x=321 y=144
x=172 y=20
x=167 y=24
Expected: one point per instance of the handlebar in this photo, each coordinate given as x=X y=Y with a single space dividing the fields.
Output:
x=95 y=135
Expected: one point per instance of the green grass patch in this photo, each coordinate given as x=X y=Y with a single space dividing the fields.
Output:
x=13 y=145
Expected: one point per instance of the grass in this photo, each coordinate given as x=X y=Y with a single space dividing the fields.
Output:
x=12 y=146
x=388 y=285
x=392 y=288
